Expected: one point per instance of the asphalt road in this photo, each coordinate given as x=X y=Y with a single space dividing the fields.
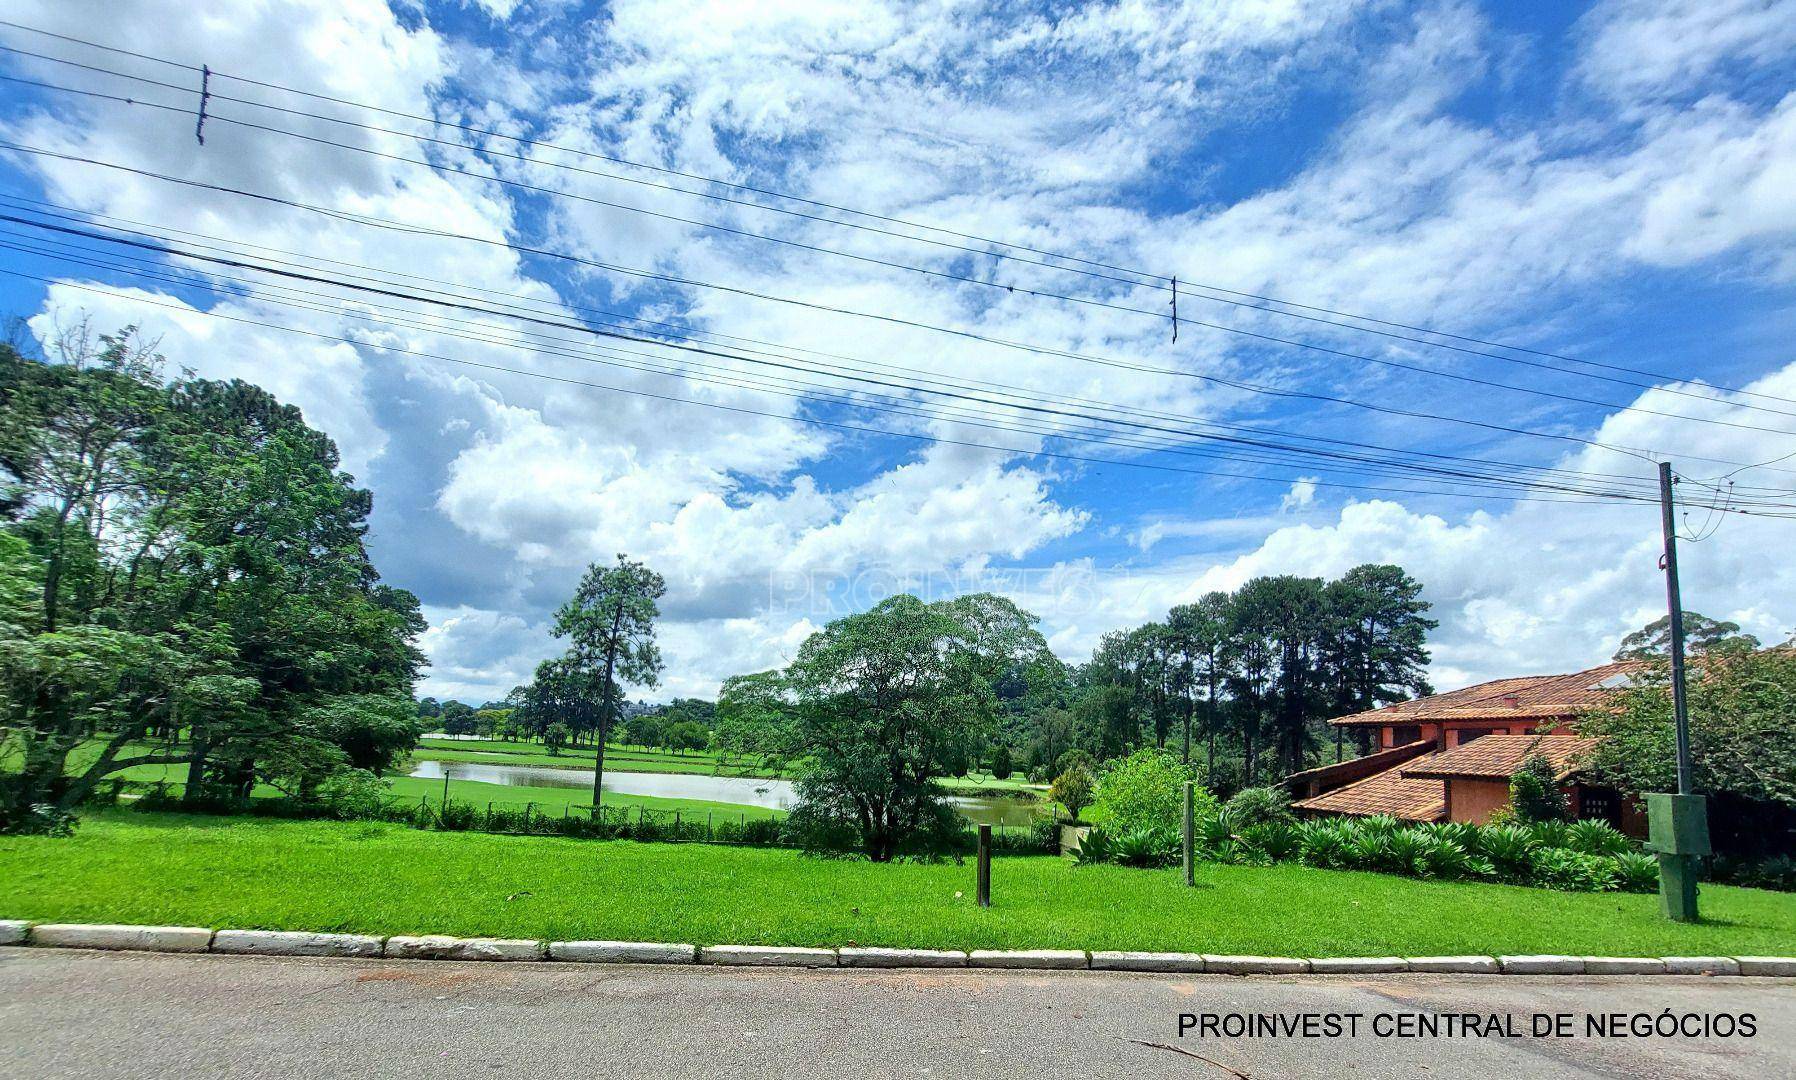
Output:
x=81 y=1014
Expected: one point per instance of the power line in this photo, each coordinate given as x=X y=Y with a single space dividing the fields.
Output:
x=1058 y=415
x=383 y=223
x=946 y=275
x=510 y=300
x=1108 y=438
x=1138 y=278
x=816 y=421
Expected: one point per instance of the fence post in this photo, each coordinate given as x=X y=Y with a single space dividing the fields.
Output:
x=985 y=866
x=1190 y=859
x=445 y=789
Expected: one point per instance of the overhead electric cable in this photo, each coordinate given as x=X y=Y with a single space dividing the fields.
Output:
x=383 y=223
x=1139 y=278
x=1274 y=339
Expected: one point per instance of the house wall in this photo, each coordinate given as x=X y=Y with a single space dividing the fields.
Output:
x=1475 y=800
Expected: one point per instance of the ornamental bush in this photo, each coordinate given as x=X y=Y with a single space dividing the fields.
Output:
x=1146 y=790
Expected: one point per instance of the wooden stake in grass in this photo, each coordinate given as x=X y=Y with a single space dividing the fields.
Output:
x=985 y=866
x=1190 y=828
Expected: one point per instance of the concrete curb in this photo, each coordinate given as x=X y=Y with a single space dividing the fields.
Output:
x=111 y=936
x=438 y=947
x=294 y=943
x=1031 y=959
x=193 y=939
x=853 y=956
x=1179 y=962
x=1541 y=965
x=766 y=956
x=1255 y=965
x=622 y=952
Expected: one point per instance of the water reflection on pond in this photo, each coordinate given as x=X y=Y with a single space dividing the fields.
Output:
x=773 y=794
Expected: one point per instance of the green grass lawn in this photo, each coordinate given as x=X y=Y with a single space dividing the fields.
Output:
x=377 y=878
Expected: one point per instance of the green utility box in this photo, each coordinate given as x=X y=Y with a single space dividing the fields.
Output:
x=1677 y=824
x=1678 y=832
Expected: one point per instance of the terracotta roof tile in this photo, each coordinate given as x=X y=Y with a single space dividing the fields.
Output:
x=1497 y=757
x=1529 y=697
x=1388 y=792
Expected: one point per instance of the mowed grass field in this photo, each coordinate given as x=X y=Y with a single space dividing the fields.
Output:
x=378 y=878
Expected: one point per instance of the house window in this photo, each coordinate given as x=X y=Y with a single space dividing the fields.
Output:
x=1466 y=735
x=1600 y=804
x=1405 y=733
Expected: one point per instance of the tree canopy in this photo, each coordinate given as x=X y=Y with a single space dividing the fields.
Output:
x=184 y=559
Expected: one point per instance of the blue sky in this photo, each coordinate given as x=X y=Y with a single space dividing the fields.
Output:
x=1606 y=181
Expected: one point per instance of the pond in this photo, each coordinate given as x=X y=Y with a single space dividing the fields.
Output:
x=773 y=794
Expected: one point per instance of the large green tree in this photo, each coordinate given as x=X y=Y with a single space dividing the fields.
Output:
x=194 y=568
x=610 y=627
x=879 y=701
x=1701 y=633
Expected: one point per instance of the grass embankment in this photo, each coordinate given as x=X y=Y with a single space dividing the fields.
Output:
x=641 y=759
x=375 y=878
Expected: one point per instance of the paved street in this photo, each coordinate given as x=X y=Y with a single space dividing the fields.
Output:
x=78 y=1014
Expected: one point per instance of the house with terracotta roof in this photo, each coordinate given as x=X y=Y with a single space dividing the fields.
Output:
x=1449 y=757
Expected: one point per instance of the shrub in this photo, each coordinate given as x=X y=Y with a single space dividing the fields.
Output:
x=1534 y=792
x=1639 y=871
x=351 y=794
x=1277 y=840
x=1324 y=843
x=1146 y=790
x=1550 y=834
x=1072 y=789
x=1380 y=823
x=1408 y=853
x=1144 y=848
x=1259 y=806
x=1573 y=871
x=1095 y=847
x=1507 y=847
x=1596 y=838
x=1442 y=857
x=1777 y=872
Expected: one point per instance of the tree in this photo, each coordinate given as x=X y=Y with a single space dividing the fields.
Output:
x=1072 y=789
x=1375 y=640
x=1534 y=792
x=610 y=624
x=1001 y=766
x=194 y=563
x=754 y=715
x=1701 y=633
x=1742 y=715
x=881 y=698
x=457 y=718
x=1198 y=634
x=555 y=737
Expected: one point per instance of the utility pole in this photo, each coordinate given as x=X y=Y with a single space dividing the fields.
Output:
x=1678 y=825
x=1674 y=602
